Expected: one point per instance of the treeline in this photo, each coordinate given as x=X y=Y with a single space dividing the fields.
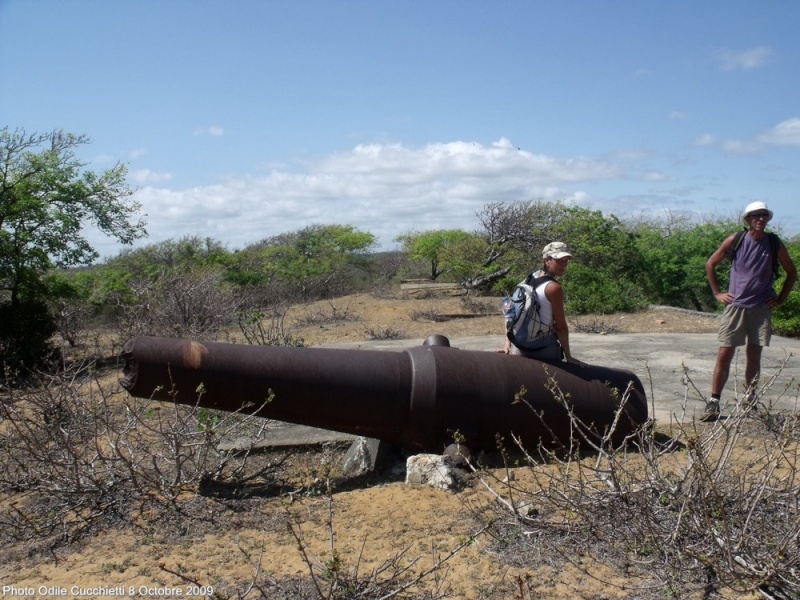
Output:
x=196 y=287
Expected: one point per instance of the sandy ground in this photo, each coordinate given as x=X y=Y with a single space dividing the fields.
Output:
x=228 y=544
x=363 y=317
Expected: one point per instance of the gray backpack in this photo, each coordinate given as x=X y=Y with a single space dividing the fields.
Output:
x=524 y=325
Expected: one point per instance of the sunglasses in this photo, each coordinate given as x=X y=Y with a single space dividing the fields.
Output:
x=761 y=215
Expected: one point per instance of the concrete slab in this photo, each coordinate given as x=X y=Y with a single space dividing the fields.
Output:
x=674 y=368
x=288 y=435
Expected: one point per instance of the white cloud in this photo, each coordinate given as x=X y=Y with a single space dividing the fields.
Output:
x=740 y=146
x=706 y=139
x=213 y=130
x=677 y=115
x=148 y=177
x=633 y=154
x=656 y=176
x=138 y=152
x=385 y=189
x=751 y=58
x=786 y=133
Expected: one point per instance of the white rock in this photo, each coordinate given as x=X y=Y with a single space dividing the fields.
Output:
x=430 y=469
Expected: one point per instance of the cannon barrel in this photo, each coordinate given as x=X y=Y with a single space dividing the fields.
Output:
x=417 y=398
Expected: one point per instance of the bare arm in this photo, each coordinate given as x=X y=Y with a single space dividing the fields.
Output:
x=507 y=343
x=711 y=269
x=555 y=294
x=788 y=283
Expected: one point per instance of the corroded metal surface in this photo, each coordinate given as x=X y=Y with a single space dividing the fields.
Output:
x=418 y=398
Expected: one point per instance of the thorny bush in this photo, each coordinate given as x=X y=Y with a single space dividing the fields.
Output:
x=707 y=507
x=75 y=454
x=261 y=328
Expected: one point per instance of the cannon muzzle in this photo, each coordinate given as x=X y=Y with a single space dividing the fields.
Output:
x=418 y=398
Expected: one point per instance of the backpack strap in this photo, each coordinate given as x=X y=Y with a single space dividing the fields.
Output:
x=775 y=247
x=737 y=241
x=535 y=282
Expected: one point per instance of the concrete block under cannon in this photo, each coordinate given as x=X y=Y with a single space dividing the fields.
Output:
x=417 y=398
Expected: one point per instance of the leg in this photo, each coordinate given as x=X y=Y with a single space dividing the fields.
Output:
x=732 y=334
x=718 y=379
x=758 y=335
x=753 y=368
x=722 y=369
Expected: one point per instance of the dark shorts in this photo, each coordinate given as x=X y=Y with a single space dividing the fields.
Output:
x=745 y=325
x=550 y=353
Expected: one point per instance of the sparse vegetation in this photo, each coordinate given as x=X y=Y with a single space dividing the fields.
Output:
x=696 y=509
x=79 y=458
x=262 y=329
x=330 y=314
x=479 y=306
x=592 y=325
x=428 y=314
x=77 y=454
x=383 y=333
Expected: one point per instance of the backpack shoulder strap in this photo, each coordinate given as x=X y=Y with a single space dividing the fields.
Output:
x=775 y=247
x=536 y=282
x=737 y=241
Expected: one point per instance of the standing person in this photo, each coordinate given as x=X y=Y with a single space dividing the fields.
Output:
x=550 y=295
x=749 y=300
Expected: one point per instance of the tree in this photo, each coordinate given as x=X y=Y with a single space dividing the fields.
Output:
x=182 y=255
x=319 y=261
x=175 y=288
x=47 y=198
x=514 y=235
x=511 y=233
x=605 y=275
x=674 y=256
x=431 y=246
x=523 y=227
x=466 y=259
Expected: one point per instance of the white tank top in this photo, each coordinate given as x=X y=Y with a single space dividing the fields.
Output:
x=545 y=308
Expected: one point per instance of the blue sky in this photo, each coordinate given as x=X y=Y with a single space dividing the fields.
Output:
x=244 y=119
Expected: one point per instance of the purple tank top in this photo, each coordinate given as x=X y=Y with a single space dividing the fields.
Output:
x=751 y=273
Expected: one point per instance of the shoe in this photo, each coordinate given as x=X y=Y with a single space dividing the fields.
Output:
x=711 y=412
x=750 y=400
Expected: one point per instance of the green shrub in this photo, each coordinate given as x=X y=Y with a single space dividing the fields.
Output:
x=587 y=290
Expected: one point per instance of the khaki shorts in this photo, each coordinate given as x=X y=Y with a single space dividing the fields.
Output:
x=745 y=325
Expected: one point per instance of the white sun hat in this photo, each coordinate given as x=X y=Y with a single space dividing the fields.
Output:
x=753 y=207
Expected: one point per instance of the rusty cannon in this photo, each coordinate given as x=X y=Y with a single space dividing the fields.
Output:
x=417 y=398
